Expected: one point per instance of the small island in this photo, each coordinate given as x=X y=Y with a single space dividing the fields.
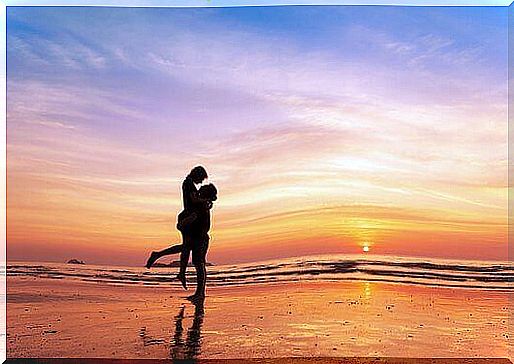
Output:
x=75 y=261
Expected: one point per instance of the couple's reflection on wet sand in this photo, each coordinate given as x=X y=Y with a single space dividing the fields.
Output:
x=190 y=346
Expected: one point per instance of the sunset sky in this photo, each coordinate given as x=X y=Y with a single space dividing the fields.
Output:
x=325 y=129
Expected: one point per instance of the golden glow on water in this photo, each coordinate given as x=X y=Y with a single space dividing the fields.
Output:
x=367 y=290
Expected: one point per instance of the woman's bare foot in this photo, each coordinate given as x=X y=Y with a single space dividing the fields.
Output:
x=182 y=279
x=151 y=260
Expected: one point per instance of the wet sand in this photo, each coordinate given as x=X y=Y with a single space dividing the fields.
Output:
x=62 y=318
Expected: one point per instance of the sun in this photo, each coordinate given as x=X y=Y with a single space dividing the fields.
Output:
x=365 y=248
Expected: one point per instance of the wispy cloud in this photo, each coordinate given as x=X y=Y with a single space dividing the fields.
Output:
x=310 y=140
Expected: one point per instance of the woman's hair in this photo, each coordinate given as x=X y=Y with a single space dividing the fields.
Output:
x=209 y=192
x=198 y=173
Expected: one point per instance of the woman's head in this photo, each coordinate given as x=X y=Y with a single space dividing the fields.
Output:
x=198 y=174
x=208 y=192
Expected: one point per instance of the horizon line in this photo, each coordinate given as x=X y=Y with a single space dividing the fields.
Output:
x=363 y=255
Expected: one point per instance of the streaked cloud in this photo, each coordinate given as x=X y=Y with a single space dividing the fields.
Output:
x=318 y=138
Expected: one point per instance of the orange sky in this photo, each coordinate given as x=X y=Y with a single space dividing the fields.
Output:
x=316 y=145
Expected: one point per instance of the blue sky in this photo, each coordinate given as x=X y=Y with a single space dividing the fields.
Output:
x=118 y=49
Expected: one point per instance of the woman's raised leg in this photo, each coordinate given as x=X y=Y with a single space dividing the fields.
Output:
x=175 y=249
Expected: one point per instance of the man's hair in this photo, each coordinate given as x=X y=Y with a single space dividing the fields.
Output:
x=209 y=192
x=198 y=173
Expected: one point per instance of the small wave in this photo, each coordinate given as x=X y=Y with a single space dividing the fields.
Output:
x=475 y=275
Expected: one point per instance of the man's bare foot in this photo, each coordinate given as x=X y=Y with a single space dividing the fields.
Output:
x=151 y=260
x=182 y=279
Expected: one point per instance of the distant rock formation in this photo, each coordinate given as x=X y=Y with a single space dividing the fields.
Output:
x=175 y=264
x=75 y=261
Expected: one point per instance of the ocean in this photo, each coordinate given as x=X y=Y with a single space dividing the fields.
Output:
x=485 y=275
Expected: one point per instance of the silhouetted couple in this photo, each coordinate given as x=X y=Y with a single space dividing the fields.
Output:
x=194 y=222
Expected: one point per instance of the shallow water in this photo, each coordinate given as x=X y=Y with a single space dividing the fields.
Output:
x=418 y=271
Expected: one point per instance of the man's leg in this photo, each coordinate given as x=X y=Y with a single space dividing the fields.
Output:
x=200 y=283
x=201 y=276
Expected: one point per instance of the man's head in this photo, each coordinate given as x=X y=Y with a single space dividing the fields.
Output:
x=208 y=192
x=198 y=174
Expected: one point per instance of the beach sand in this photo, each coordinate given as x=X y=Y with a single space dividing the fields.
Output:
x=66 y=318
